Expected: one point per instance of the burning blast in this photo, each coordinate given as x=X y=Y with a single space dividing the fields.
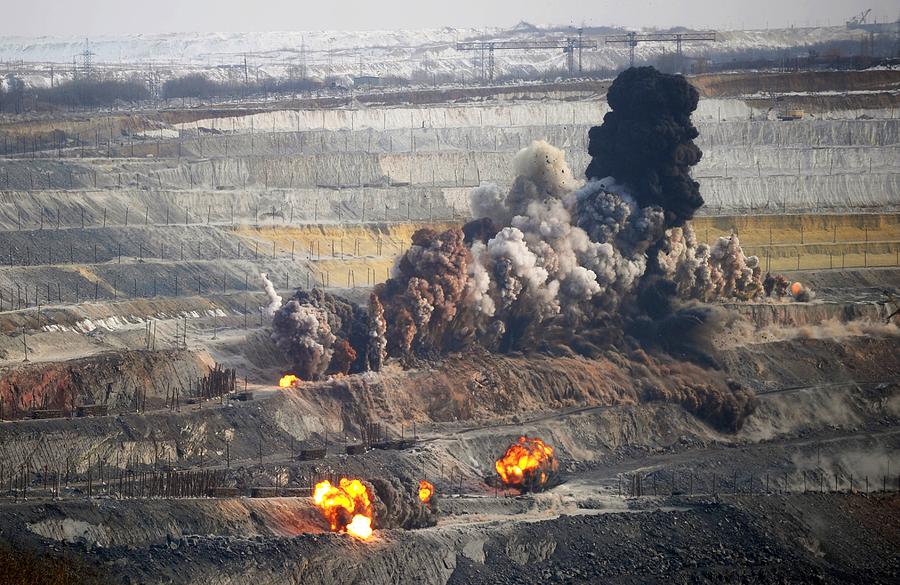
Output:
x=554 y=265
x=347 y=506
x=528 y=464
x=288 y=380
x=426 y=491
x=357 y=507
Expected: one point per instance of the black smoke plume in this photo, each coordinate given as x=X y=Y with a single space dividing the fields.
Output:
x=646 y=141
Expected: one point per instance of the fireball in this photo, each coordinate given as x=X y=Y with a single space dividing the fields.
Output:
x=347 y=507
x=426 y=490
x=288 y=380
x=528 y=464
x=796 y=289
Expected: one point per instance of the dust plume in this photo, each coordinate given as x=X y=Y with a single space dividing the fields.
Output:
x=398 y=507
x=560 y=266
x=321 y=333
x=273 y=296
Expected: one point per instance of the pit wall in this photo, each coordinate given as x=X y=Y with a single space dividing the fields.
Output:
x=57 y=269
x=117 y=380
x=289 y=419
x=748 y=164
x=790 y=314
x=797 y=229
x=866 y=133
x=800 y=194
x=225 y=262
x=559 y=113
x=551 y=112
x=809 y=242
x=145 y=522
x=392 y=186
x=21 y=211
x=726 y=84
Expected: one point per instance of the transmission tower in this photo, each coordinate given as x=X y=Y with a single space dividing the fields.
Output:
x=87 y=60
x=152 y=83
x=302 y=57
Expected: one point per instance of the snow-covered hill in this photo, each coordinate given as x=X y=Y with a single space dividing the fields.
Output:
x=417 y=54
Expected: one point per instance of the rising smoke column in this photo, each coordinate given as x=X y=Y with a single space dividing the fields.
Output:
x=398 y=507
x=376 y=347
x=301 y=332
x=645 y=147
x=274 y=298
x=321 y=333
x=425 y=292
x=707 y=273
x=646 y=141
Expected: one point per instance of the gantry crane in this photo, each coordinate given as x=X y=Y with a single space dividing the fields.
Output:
x=860 y=19
x=569 y=47
x=632 y=39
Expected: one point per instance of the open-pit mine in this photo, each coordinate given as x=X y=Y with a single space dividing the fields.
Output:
x=629 y=328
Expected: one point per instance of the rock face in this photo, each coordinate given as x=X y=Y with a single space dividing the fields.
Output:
x=130 y=248
x=750 y=539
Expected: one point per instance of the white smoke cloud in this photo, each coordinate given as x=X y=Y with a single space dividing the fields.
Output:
x=487 y=200
x=273 y=296
x=541 y=262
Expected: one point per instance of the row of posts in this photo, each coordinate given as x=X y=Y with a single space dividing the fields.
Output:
x=313 y=252
x=46 y=294
x=120 y=483
x=364 y=213
x=691 y=483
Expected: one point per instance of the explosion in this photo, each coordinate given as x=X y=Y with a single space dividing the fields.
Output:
x=426 y=490
x=288 y=380
x=347 y=507
x=801 y=293
x=556 y=265
x=321 y=333
x=528 y=464
x=553 y=255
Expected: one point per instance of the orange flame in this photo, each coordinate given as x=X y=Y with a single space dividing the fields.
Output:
x=426 y=490
x=529 y=463
x=796 y=289
x=288 y=380
x=347 y=507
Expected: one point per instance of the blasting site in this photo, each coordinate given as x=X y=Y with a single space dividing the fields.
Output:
x=384 y=293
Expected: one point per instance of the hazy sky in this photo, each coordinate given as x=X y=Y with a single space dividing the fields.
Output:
x=94 y=17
